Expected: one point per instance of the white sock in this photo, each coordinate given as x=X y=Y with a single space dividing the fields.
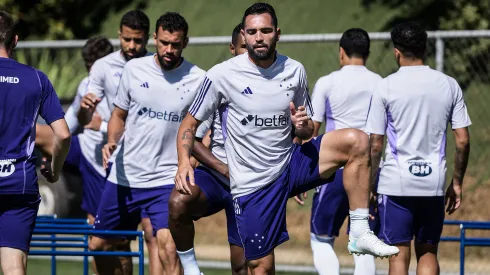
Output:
x=189 y=262
x=365 y=265
x=359 y=222
x=324 y=257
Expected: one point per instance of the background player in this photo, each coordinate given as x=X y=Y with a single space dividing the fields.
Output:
x=212 y=191
x=414 y=106
x=86 y=158
x=262 y=89
x=154 y=94
x=104 y=79
x=24 y=94
x=342 y=98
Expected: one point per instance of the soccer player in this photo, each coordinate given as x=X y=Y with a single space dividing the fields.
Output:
x=24 y=94
x=84 y=155
x=154 y=94
x=413 y=107
x=104 y=79
x=266 y=94
x=342 y=98
x=93 y=49
x=212 y=191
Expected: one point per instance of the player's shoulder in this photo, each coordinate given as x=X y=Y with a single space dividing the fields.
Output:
x=222 y=69
x=192 y=68
x=289 y=63
x=82 y=87
x=373 y=75
x=108 y=59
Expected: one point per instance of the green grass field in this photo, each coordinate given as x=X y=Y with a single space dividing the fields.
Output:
x=43 y=267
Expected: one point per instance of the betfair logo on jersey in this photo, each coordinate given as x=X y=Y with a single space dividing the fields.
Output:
x=166 y=116
x=420 y=169
x=9 y=79
x=273 y=121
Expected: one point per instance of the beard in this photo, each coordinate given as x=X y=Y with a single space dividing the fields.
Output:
x=135 y=54
x=166 y=65
x=264 y=54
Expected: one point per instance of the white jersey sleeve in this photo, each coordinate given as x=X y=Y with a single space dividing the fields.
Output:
x=376 y=121
x=459 y=116
x=123 y=97
x=319 y=97
x=71 y=114
x=302 y=96
x=204 y=127
x=96 y=79
x=209 y=97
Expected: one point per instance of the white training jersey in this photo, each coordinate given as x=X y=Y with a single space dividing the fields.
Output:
x=72 y=111
x=217 y=123
x=91 y=142
x=413 y=107
x=258 y=122
x=104 y=79
x=342 y=98
x=156 y=102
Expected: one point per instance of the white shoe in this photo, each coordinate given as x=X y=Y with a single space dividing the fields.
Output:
x=369 y=244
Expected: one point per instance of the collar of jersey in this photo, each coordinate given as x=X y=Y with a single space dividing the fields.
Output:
x=413 y=68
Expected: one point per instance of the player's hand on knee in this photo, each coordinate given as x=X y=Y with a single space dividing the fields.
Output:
x=90 y=101
x=107 y=151
x=453 y=199
x=298 y=199
x=184 y=177
x=95 y=122
x=299 y=117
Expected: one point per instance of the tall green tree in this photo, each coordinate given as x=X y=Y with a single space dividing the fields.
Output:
x=63 y=19
x=465 y=58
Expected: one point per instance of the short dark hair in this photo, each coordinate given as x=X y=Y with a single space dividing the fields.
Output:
x=136 y=20
x=95 y=48
x=171 y=22
x=355 y=43
x=410 y=39
x=235 y=34
x=7 y=29
x=260 y=8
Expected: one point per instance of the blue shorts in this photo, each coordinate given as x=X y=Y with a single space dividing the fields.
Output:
x=218 y=197
x=93 y=182
x=121 y=206
x=402 y=218
x=331 y=207
x=261 y=215
x=17 y=220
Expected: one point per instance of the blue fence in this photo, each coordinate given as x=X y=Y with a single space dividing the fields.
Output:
x=466 y=241
x=49 y=227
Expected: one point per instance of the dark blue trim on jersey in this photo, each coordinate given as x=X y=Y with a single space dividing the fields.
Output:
x=202 y=94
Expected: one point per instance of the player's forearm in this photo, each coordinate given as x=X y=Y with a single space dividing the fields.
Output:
x=185 y=138
x=461 y=157
x=61 y=145
x=115 y=129
x=305 y=132
x=204 y=156
x=84 y=116
x=376 y=154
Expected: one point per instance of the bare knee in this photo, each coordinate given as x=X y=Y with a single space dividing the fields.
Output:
x=178 y=205
x=263 y=266
x=358 y=142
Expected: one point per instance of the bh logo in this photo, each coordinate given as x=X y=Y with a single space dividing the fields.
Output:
x=420 y=169
x=7 y=168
